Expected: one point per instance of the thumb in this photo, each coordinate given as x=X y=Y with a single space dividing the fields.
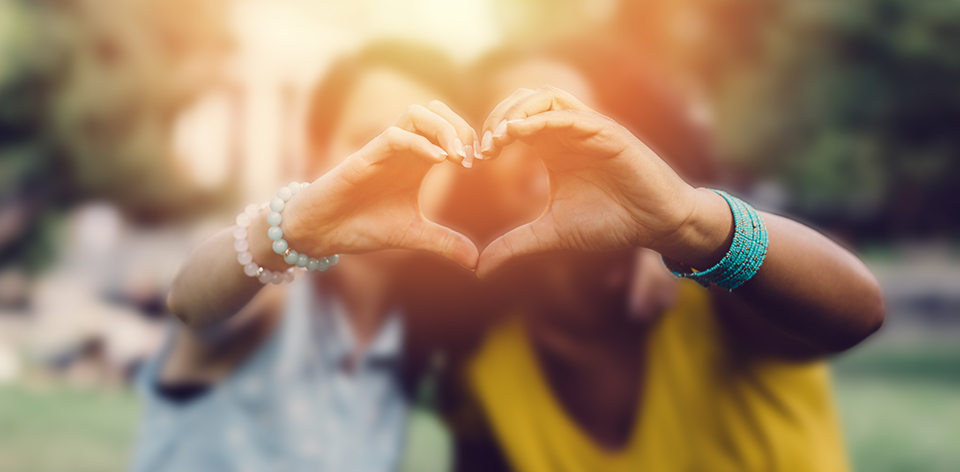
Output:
x=429 y=236
x=531 y=238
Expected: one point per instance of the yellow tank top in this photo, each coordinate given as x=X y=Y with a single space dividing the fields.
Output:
x=703 y=408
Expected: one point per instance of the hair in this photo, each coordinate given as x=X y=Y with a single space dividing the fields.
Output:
x=631 y=92
x=422 y=63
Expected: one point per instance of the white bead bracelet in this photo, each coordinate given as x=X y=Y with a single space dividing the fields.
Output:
x=300 y=262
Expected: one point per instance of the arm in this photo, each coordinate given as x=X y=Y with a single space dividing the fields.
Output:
x=809 y=288
x=369 y=202
x=608 y=191
x=211 y=285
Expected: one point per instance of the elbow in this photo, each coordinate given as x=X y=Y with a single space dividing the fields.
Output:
x=867 y=318
x=175 y=307
x=874 y=311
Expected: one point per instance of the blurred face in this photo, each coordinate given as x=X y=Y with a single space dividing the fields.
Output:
x=517 y=188
x=375 y=101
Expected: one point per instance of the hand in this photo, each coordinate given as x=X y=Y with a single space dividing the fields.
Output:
x=370 y=201
x=608 y=191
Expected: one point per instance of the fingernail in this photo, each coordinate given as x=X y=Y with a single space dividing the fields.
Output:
x=468 y=159
x=459 y=146
x=476 y=150
x=487 y=141
x=501 y=129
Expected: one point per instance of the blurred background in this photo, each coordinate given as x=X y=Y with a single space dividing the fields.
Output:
x=131 y=129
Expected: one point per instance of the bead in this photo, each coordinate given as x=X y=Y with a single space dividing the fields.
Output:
x=244 y=257
x=294 y=187
x=276 y=278
x=243 y=220
x=288 y=276
x=322 y=264
x=241 y=245
x=276 y=205
x=280 y=246
x=291 y=257
x=240 y=233
x=266 y=276
x=746 y=253
x=334 y=259
x=274 y=233
x=274 y=219
x=252 y=210
x=284 y=194
x=251 y=269
x=312 y=264
x=302 y=260
x=304 y=185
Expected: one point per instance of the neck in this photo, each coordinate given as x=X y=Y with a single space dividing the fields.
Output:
x=363 y=291
x=583 y=330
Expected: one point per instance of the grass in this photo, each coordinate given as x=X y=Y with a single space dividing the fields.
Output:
x=65 y=430
x=900 y=404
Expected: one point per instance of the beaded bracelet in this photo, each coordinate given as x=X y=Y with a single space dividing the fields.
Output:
x=242 y=245
x=245 y=257
x=275 y=233
x=746 y=254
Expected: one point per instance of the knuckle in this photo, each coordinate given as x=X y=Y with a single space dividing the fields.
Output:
x=393 y=137
x=547 y=88
x=392 y=133
x=436 y=105
x=415 y=110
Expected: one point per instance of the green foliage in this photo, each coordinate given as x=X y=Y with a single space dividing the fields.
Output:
x=89 y=91
x=854 y=105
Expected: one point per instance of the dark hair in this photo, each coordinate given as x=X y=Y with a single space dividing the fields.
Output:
x=424 y=64
x=634 y=94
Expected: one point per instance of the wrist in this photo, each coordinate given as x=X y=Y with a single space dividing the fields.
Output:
x=261 y=246
x=705 y=235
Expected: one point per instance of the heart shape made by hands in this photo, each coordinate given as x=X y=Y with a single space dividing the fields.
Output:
x=607 y=190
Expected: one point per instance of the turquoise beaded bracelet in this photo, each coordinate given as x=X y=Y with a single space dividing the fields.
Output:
x=275 y=233
x=746 y=254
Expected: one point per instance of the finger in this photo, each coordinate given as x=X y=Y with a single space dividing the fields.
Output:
x=573 y=123
x=464 y=131
x=544 y=100
x=531 y=238
x=429 y=236
x=394 y=140
x=418 y=119
x=487 y=147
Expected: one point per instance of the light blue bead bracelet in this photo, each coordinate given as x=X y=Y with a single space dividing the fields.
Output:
x=245 y=257
x=275 y=233
x=299 y=263
x=746 y=254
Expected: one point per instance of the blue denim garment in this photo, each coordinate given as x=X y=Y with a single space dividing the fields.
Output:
x=291 y=406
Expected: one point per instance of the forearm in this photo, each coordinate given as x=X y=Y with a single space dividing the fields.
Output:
x=211 y=285
x=808 y=286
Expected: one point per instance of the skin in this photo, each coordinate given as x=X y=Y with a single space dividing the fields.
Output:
x=610 y=195
x=608 y=192
x=364 y=205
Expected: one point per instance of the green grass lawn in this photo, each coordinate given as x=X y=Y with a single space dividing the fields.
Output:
x=900 y=404
x=65 y=430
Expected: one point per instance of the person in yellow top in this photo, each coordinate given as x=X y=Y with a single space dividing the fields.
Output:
x=579 y=378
